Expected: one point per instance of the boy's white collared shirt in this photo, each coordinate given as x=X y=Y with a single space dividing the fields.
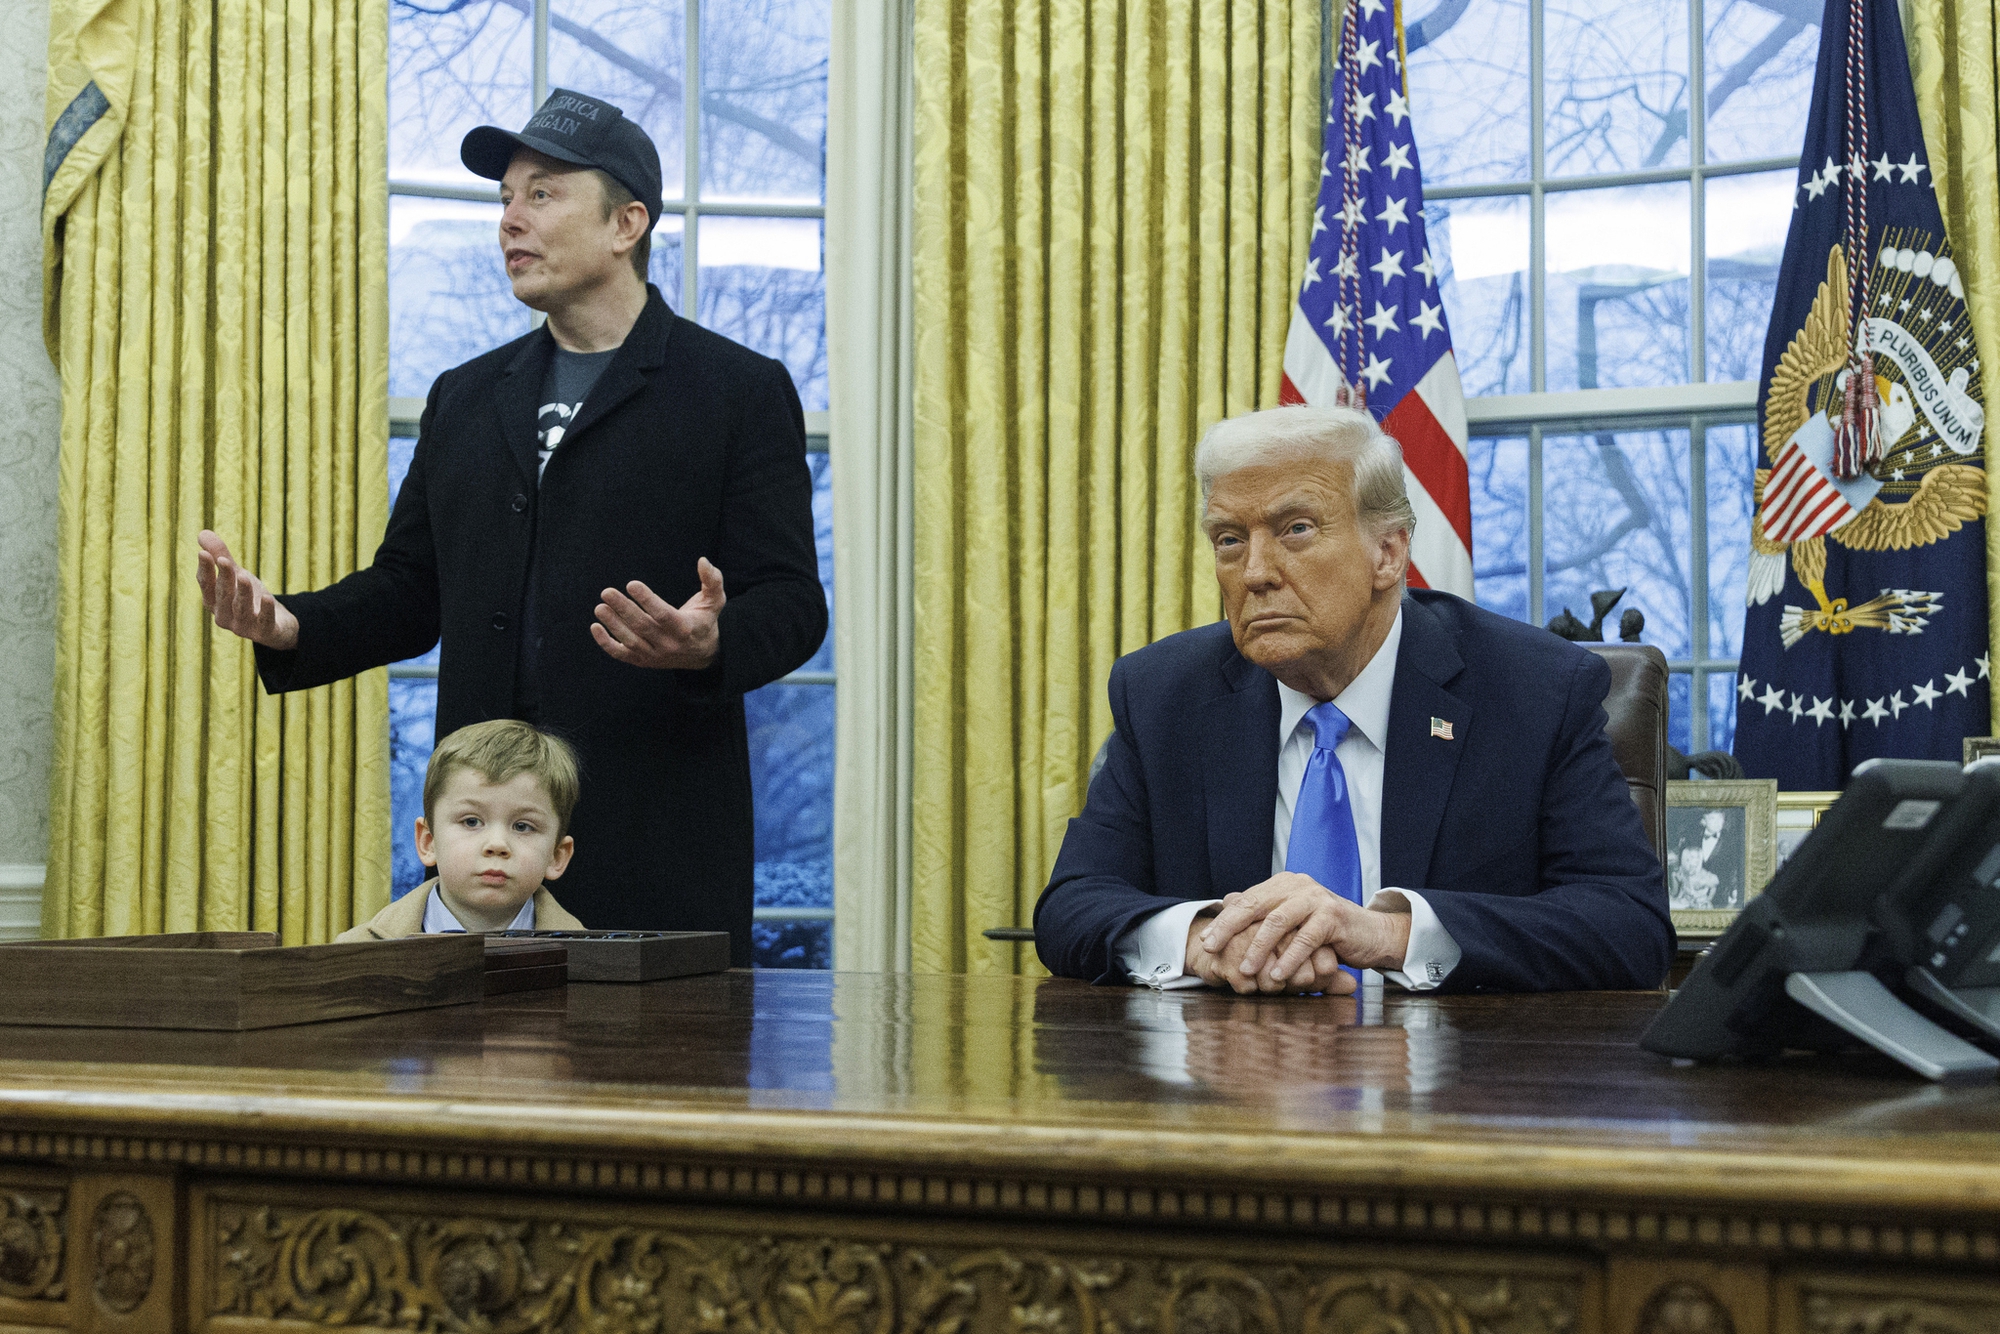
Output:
x=439 y=919
x=1155 y=951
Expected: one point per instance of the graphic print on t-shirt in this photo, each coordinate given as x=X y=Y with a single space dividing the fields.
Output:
x=550 y=423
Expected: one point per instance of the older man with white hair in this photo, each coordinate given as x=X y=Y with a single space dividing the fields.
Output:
x=1349 y=774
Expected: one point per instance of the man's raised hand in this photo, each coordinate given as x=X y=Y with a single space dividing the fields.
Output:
x=639 y=627
x=238 y=601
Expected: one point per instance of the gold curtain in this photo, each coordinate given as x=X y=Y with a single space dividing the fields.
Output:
x=215 y=254
x=1956 y=61
x=1113 y=199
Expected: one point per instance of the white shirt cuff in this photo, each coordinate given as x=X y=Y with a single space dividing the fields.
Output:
x=1154 y=952
x=1432 y=953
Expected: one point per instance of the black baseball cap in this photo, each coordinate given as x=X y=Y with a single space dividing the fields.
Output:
x=580 y=129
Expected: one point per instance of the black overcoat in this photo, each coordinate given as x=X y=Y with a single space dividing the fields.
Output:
x=689 y=445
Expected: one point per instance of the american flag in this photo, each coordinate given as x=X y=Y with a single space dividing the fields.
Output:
x=1369 y=327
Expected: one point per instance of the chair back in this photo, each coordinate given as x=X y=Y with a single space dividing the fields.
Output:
x=1636 y=712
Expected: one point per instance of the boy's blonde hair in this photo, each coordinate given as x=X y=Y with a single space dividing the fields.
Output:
x=499 y=749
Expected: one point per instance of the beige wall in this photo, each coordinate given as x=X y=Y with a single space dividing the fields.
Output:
x=29 y=422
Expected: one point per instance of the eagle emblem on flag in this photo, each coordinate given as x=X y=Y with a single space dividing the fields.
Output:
x=1927 y=485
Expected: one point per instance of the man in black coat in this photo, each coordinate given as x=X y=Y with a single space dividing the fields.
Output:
x=575 y=500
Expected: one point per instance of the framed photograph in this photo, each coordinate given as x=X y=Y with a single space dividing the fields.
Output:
x=1718 y=850
x=1797 y=815
x=1979 y=748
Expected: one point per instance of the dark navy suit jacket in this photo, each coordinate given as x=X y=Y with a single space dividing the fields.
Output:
x=1519 y=830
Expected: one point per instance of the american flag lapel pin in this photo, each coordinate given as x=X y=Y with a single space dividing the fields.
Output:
x=1441 y=727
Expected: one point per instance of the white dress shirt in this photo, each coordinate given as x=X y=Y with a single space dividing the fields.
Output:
x=1155 y=950
x=439 y=919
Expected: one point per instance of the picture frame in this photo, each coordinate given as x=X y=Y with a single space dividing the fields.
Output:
x=1719 y=850
x=1797 y=814
x=1979 y=748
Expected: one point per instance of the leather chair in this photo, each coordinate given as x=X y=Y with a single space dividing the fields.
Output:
x=1636 y=710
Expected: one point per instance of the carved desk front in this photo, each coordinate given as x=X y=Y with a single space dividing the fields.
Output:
x=858 y=1154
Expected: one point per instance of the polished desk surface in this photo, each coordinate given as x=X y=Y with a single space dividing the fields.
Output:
x=991 y=1072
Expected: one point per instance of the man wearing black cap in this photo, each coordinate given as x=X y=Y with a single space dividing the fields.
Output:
x=575 y=501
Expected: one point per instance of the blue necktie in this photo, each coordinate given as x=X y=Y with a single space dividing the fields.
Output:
x=1323 y=845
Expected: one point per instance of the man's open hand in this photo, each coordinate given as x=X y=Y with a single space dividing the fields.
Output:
x=238 y=601
x=1295 y=917
x=1320 y=971
x=640 y=628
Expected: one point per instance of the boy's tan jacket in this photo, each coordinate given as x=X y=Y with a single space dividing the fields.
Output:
x=405 y=916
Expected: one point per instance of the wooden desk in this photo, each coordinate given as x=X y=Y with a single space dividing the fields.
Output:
x=858 y=1154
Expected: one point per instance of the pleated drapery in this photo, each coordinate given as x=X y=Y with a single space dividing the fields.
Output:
x=1955 y=58
x=215 y=256
x=1113 y=199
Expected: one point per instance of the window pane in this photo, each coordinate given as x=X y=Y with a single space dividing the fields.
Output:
x=1732 y=453
x=1760 y=59
x=412 y=713
x=791 y=774
x=449 y=299
x=1480 y=247
x=761 y=284
x=631 y=53
x=663 y=270
x=1617 y=287
x=791 y=945
x=1679 y=684
x=452 y=67
x=1615 y=515
x=1722 y=711
x=1468 y=82
x=1498 y=470
x=763 y=103
x=1615 y=85
x=1747 y=217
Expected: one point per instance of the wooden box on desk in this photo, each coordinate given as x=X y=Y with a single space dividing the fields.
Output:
x=635 y=956
x=231 y=980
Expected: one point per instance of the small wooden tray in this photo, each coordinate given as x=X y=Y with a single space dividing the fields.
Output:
x=230 y=980
x=524 y=965
x=635 y=956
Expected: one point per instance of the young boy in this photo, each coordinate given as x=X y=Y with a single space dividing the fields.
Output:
x=497 y=802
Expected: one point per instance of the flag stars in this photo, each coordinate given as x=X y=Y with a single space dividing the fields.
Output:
x=1883 y=166
x=1367 y=56
x=1312 y=273
x=1389 y=266
x=1339 y=321
x=1983 y=669
x=1357 y=160
x=1959 y=683
x=1925 y=695
x=1346 y=269
x=1319 y=219
x=1398 y=108
x=1370 y=8
x=1394 y=212
x=1847 y=713
x=1903 y=305
x=1746 y=689
x=1398 y=160
x=1364 y=103
x=1911 y=169
x=1351 y=214
x=1376 y=372
x=1821 y=710
x=1428 y=268
x=1874 y=713
x=1429 y=318
x=1772 y=699
x=1383 y=321
x=1896 y=704
x=1796 y=708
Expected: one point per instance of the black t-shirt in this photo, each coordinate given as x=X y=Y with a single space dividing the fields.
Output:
x=571 y=377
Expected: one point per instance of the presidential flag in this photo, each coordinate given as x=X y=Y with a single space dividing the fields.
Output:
x=1369 y=327
x=1865 y=634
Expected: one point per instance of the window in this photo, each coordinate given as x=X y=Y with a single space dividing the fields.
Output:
x=1608 y=186
x=739 y=245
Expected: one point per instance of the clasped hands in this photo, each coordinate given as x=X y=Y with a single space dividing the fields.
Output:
x=1302 y=935
x=635 y=625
